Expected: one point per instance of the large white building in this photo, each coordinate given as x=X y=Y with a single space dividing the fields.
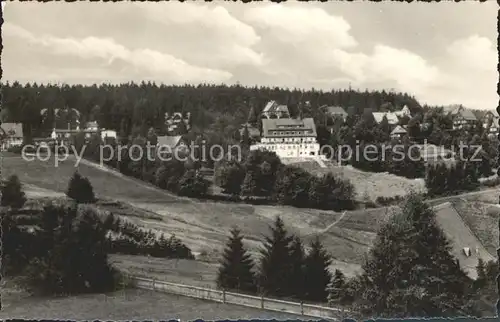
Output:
x=289 y=138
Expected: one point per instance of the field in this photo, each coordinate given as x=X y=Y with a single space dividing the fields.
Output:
x=129 y=304
x=366 y=184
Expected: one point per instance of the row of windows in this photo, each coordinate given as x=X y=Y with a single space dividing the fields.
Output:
x=290 y=147
x=291 y=132
x=286 y=140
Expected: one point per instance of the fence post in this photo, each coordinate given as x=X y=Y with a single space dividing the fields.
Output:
x=261 y=301
x=301 y=307
x=224 y=296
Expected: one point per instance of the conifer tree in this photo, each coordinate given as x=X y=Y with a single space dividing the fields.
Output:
x=297 y=268
x=482 y=279
x=253 y=116
x=182 y=128
x=80 y=189
x=275 y=261
x=12 y=193
x=410 y=271
x=245 y=137
x=236 y=268
x=336 y=287
x=317 y=274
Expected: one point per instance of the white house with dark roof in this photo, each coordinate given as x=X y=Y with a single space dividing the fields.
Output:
x=11 y=135
x=273 y=110
x=289 y=138
x=462 y=117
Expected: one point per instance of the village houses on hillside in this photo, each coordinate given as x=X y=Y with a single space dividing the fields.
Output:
x=392 y=117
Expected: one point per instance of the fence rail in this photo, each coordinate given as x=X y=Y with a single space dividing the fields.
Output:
x=240 y=299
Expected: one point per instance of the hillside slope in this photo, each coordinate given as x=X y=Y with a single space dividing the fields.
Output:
x=204 y=225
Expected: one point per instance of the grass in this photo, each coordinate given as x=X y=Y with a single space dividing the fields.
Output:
x=128 y=304
x=372 y=185
x=204 y=225
x=482 y=218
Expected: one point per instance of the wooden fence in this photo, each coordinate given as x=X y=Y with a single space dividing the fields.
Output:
x=221 y=296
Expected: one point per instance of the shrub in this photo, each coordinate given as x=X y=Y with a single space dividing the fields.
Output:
x=386 y=201
x=12 y=194
x=80 y=189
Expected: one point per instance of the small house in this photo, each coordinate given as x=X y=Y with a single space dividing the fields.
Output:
x=462 y=117
x=168 y=145
x=273 y=110
x=11 y=134
x=398 y=132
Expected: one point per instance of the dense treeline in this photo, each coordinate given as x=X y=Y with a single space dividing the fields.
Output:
x=216 y=110
x=283 y=259
x=137 y=111
x=409 y=272
x=262 y=174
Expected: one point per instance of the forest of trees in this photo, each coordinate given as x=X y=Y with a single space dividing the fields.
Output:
x=39 y=243
x=137 y=111
x=409 y=272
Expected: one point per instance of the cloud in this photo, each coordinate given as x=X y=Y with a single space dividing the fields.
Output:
x=297 y=25
x=474 y=52
x=168 y=67
x=222 y=39
x=322 y=45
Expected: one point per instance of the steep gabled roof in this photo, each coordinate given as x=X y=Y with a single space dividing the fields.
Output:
x=335 y=110
x=289 y=125
x=391 y=117
x=270 y=106
x=12 y=129
x=169 y=141
x=399 y=130
x=467 y=114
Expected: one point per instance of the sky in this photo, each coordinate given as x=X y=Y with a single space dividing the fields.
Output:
x=442 y=53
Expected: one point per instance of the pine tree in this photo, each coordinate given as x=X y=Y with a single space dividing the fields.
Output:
x=12 y=193
x=80 y=189
x=275 y=261
x=297 y=268
x=249 y=187
x=182 y=128
x=482 y=278
x=229 y=176
x=192 y=184
x=236 y=268
x=336 y=288
x=245 y=137
x=317 y=274
x=410 y=271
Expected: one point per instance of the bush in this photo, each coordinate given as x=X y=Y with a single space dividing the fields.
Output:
x=74 y=259
x=491 y=182
x=387 y=201
x=12 y=194
x=15 y=149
